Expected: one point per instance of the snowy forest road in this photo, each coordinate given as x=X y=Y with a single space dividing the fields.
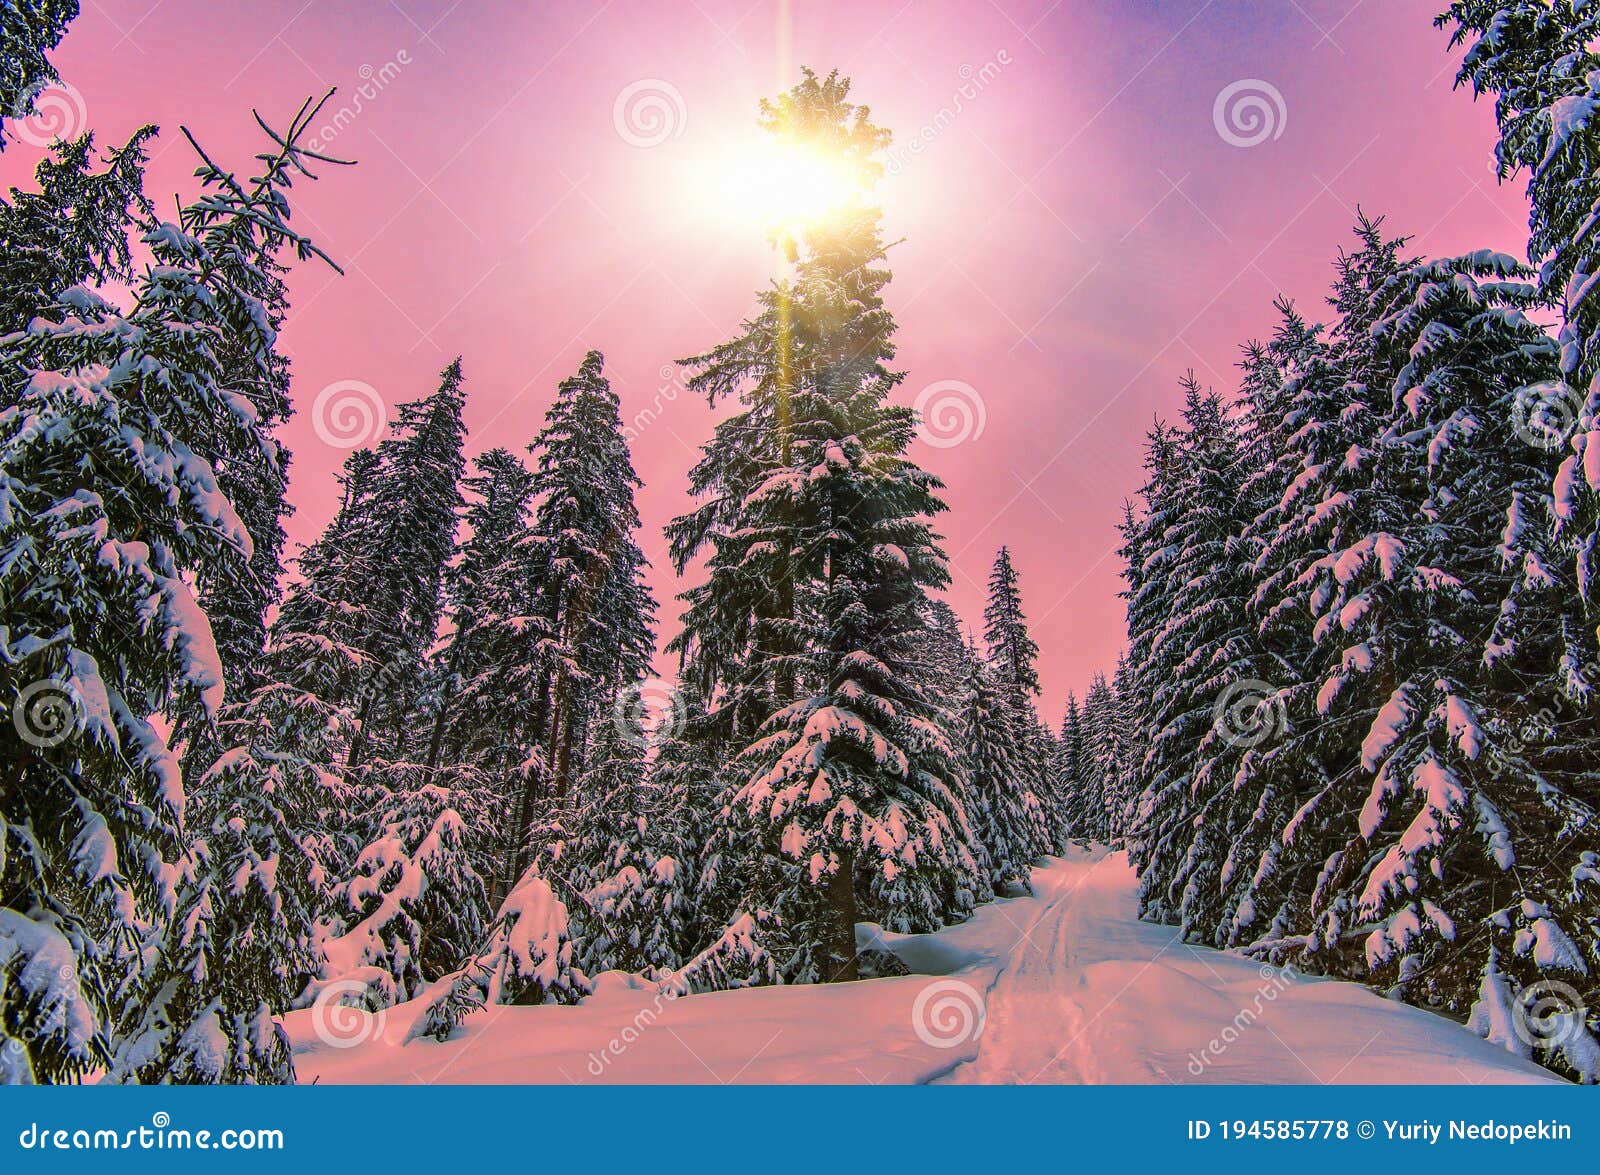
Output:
x=1089 y=994
x=1065 y=985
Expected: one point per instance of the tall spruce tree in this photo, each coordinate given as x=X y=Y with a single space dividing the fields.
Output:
x=819 y=555
x=112 y=509
x=1012 y=649
x=601 y=614
x=479 y=711
x=1539 y=59
x=403 y=534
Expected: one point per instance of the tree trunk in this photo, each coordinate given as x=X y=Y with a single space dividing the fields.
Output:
x=841 y=898
x=353 y=759
x=517 y=857
x=560 y=750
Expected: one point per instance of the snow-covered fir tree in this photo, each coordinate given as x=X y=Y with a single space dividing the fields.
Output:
x=29 y=31
x=75 y=229
x=1013 y=655
x=1193 y=659
x=412 y=906
x=599 y=611
x=112 y=509
x=1005 y=813
x=478 y=713
x=1012 y=650
x=400 y=534
x=581 y=632
x=818 y=557
x=1539 y=60
x=1088 y=814
x=626 y=861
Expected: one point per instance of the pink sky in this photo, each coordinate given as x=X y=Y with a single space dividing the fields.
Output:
x=1078 y=234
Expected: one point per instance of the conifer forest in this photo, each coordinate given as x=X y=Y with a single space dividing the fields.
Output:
x=380 y=703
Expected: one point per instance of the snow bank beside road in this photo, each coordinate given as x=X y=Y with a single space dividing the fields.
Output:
x=1063 y=986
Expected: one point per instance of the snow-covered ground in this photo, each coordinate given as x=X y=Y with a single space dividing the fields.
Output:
x=1064 y=986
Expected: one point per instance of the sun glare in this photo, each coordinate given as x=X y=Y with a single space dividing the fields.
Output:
x=781 y=186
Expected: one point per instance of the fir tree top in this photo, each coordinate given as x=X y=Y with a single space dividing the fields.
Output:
x=1012 y=651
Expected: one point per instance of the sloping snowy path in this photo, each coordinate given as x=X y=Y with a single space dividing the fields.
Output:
x=1089 y=994
x=1072 y=986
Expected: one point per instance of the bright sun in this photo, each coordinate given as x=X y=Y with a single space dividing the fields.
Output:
x=781 y=186
x=795 y=187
